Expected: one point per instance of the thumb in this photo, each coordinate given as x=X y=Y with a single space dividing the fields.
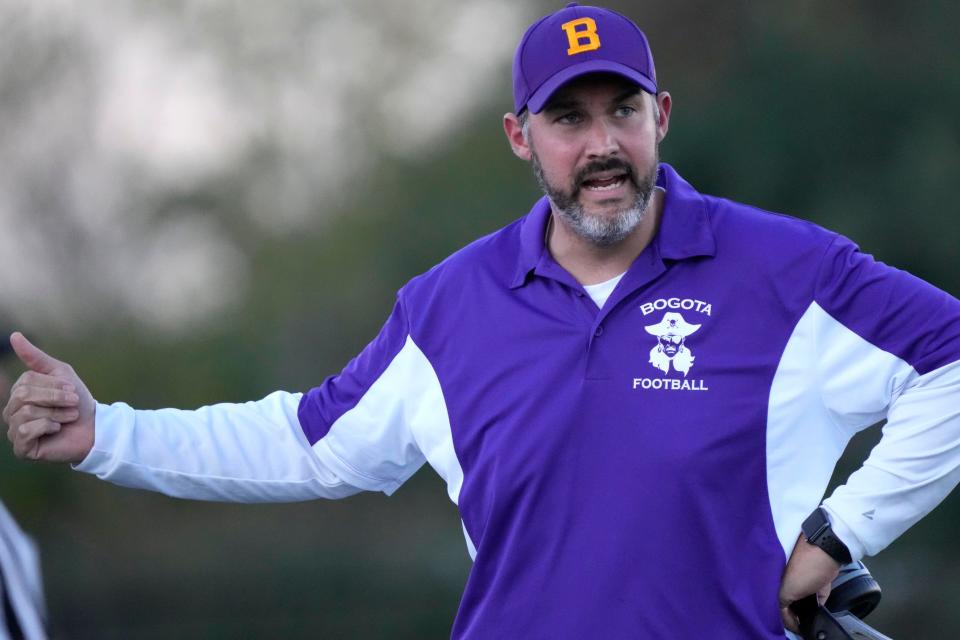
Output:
x=823 y=593
x=32 y=356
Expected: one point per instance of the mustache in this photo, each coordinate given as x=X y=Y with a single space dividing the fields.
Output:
x=598 y=166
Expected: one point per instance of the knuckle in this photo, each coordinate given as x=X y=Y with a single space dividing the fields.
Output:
x=20 y=394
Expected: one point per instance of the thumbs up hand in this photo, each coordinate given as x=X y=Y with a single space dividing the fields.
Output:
x=50 y=413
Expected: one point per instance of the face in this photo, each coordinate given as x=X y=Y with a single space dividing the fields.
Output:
x=671 y=344
x=594 y=153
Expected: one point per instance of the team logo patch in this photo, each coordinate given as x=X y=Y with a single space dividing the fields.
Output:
x=581 y=35
x=672 y=354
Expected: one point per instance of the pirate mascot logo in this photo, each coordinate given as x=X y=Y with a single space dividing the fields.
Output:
x=671 y=332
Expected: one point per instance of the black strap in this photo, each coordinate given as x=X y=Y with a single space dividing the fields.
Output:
x=13 y=622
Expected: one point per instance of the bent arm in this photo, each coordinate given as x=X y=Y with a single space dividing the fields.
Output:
x=917 y=461
x=912 y=469
x=249 y=452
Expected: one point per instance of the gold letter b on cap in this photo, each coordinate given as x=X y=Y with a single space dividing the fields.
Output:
x=581 y=40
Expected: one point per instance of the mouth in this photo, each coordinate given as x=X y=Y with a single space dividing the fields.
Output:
x=607 y=181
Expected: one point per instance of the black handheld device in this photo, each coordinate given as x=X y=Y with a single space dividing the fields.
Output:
x=853 y=595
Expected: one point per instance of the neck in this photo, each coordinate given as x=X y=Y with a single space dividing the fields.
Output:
x=591 y=264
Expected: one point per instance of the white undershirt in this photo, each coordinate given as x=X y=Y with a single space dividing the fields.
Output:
x=602 y=290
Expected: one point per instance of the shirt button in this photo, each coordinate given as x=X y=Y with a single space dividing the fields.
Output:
x=598 y=332
x=579 y=294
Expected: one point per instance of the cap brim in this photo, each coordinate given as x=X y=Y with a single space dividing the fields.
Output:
x=540 y=97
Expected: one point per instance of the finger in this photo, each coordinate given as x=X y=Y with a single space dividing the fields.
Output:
x=32 y=356
x=30 y=412
x=41 y=396
x=790 y=620
x=26 y=440
x=823 y=594
x=34 y=379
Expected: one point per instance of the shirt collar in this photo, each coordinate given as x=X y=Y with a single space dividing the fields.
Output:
x=685 y=227
x=685 y=230
x=533 y=231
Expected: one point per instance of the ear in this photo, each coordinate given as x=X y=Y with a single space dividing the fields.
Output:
x=511 y=126
x=665 y=103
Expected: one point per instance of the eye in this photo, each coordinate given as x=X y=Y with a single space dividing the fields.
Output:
x=569 y=117
x=625 y=111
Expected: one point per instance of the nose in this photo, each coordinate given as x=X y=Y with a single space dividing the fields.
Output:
x=602 y=141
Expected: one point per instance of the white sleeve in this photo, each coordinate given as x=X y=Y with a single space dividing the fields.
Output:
x=250 y=452
x=910 y=471
x=891 y=349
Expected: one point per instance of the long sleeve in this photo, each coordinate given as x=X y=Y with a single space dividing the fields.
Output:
x=906 y=369
x=369 y=428
x=249 y=452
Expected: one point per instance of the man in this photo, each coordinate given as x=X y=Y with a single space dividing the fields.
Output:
x=21 y=594
x=603 y=495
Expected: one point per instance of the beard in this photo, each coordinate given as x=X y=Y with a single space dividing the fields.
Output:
x=599 y=230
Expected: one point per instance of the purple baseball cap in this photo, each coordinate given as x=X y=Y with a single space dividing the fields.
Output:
x=575 y=41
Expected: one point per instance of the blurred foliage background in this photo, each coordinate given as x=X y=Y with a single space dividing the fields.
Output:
x=206 y=200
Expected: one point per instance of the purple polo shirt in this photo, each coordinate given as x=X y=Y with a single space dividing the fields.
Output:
x=639 y=470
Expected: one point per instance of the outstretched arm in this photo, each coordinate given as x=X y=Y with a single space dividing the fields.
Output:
x=365 y=429
x=249 y=452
